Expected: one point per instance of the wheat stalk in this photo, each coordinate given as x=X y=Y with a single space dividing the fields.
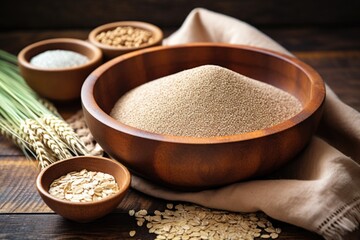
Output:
x=31 y=122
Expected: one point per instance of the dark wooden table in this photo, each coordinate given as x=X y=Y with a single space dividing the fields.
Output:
x=334 y=53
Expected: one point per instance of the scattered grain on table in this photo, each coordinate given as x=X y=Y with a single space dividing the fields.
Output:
x=132 y=233
x=195 y=222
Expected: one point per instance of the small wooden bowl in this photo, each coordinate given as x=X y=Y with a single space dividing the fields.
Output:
x=110 y=51
x=61 y=84
x=199 y=163
x=83 y=211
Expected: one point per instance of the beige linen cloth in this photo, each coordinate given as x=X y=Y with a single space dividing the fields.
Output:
x=318 y=191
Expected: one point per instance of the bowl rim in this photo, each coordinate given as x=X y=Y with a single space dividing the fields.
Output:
x=41 y=189
x=317 y=99
x=158 y=33
x=96 y=58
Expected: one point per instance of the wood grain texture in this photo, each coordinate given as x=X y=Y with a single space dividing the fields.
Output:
x=7 y=148
x=294 y=39
x=316 y=38
x=18 y=193
x=35 y=220
x=113 y=226
x=340 y=70
x=23 y=14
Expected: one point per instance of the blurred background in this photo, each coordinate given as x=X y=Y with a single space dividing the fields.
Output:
x=320 y=24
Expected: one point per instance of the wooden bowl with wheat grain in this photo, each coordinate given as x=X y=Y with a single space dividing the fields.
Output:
x=200 y=163
x=112 y=51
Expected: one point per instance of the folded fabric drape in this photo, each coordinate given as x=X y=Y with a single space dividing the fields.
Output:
x=320 y=189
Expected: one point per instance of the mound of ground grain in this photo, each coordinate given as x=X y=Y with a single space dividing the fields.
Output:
x=205 y=101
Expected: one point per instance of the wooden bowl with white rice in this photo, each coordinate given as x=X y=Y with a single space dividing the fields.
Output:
x=203 y=115
x=56 y=68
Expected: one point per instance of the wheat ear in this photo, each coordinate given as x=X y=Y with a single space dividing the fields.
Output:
x=37 y=146
x=48 y=139
x=66 y=133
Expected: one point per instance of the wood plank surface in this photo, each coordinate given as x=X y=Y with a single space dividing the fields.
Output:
x=18 y=192
x=113 y=226
x=24 y=14
x=8 y=149
x=294 y=39
x=22 y=208
x=340 y=70
x=334 y=53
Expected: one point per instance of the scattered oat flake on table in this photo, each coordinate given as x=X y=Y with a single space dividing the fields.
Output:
x=195 y=222
x=132 y=233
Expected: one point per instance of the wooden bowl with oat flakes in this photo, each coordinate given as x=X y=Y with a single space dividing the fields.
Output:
x=193 y=163
x=83 y=204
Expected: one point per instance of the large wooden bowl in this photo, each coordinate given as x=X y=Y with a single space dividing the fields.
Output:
x=199 y=163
